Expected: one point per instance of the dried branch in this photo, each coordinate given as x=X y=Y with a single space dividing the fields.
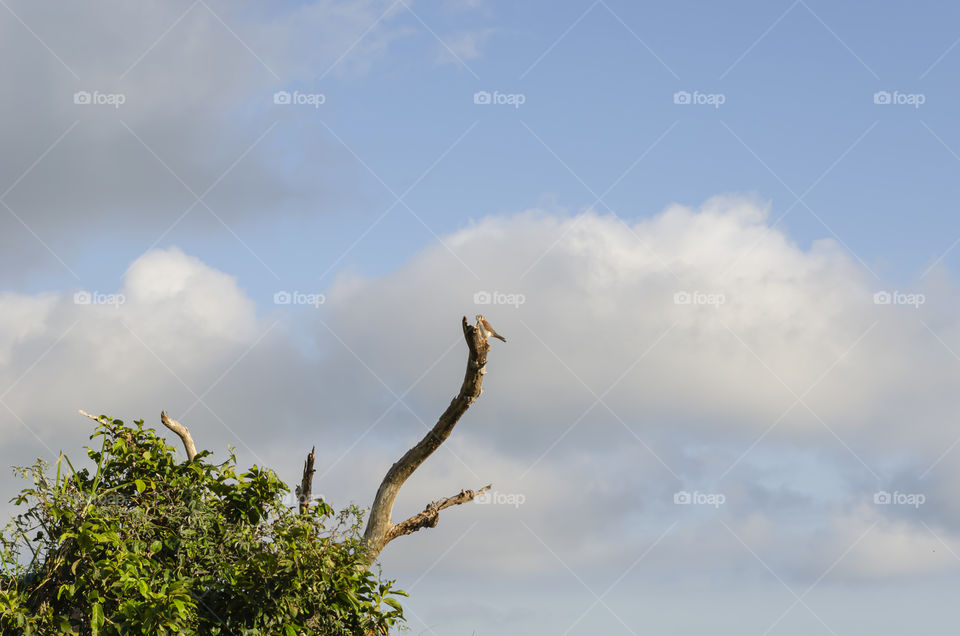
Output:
x=431 y=514
x=182 y=432
x=305 y=489
x=96 y=418
x=100 y=419
x=380 y=527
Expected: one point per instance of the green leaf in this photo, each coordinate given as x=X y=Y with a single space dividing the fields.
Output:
x=394 y=603
x=141 y=486
x=96 y=619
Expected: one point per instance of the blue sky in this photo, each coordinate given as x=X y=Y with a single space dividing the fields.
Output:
x=798 y=82
x=797 y=100
x=777 y=208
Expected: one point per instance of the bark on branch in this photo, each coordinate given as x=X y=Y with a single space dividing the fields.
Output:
x=95 y=418
x=431 y=514
x=305 y=489
x=182 y=432
x=380 y=527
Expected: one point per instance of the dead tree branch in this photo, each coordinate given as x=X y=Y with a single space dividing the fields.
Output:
x=431 y=514
x=95 y=418
x=305 y=489
x=380 y=527
x=182 y=432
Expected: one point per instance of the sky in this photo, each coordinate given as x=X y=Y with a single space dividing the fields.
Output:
x=720 y=239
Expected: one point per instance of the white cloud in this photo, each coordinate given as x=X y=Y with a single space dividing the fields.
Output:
x=795 y=323
x=22 y=317
x=175 y=319
x=177 y=293
x=600 y=293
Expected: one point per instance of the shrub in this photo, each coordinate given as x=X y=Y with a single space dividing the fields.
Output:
x=146 y=544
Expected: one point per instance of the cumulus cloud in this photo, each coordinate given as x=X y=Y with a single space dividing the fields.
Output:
x=776 y=364
x=175 y=319
x=712 y=302
x=697 y=350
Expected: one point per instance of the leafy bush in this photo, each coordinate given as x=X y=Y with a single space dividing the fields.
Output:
x=145 y=544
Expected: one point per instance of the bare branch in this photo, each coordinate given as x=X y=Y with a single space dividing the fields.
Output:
x=431 y=514
x=305 y=489
x=182 y=432
x=96 y=418
x=380 y=527
x=99 y=419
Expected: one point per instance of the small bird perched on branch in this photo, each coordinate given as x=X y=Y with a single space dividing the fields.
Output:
x=487 y=329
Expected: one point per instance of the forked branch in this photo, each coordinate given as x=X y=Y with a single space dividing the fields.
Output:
x=380 y=527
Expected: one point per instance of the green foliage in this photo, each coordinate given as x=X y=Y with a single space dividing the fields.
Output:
x=145 y=544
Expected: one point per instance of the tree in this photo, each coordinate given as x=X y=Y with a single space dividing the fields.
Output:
x=147 y=544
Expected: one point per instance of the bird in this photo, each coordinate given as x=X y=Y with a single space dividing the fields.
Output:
x=487 y=330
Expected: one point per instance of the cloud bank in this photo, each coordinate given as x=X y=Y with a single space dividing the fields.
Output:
x=697 y=350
